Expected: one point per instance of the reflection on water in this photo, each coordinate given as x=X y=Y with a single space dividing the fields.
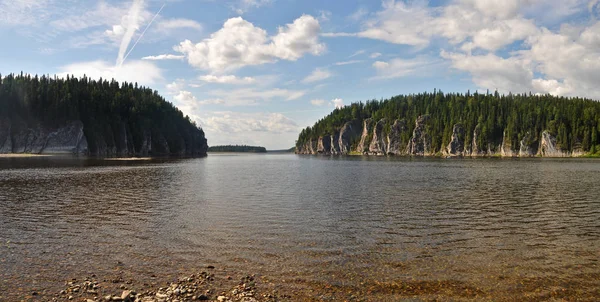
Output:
x=356 y=224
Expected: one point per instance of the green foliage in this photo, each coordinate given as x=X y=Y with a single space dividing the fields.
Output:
x=574 y=121
x=237 y=148
x=113 y=114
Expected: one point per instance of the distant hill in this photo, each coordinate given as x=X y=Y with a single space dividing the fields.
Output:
x=237 y=148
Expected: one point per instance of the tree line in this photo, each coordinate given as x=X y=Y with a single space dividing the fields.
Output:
x=237 y=148
x=575 y=122
x=105 y=108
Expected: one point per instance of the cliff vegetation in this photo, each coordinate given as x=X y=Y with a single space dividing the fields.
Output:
x=95 y=117
x=427 y=124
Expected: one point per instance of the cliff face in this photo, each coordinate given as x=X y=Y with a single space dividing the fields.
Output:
x=396 y=143
x=456 y=147
x=375 y=140
x=71 y=138
x=378 y=145
x=19 y=138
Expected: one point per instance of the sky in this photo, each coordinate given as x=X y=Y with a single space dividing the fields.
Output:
x=256 y=72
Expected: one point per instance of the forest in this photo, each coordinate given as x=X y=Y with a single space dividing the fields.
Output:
x=237 y=148
x=575 y=122
x=115 y=116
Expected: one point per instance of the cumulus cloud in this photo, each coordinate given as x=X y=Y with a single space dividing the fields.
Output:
x=317 y=75
x=227 y=79
x=337 y=103
x=142 y=72
x=187 y=103
x=239 y=43
x=494 y=72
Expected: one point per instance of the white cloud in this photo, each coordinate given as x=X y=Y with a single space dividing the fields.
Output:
x=142 y=72
x=164 y=57
x=318 y=74
x=375 y=55
x=177 y=24
x=348 y=62
x=239 y=43
x=359 y=14
x=493 y=72
x=400 y=23
x=254 y=96
x=318 y=102
x=324 y=15
x=397 y=68
x=23 y=12
x=357 y=53
x=337 y=103
x=187 y=103
x=227 y=79
x=243 y=6
x=229 y=122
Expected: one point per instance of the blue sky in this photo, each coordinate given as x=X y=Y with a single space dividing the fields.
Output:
x=257 y=71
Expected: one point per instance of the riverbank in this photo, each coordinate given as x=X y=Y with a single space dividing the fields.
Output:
x=209 y=284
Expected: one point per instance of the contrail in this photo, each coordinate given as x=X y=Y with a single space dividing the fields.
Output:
x=132 y=23
x=142 y=35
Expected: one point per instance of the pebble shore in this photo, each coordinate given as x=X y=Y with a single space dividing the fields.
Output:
x=203 y=286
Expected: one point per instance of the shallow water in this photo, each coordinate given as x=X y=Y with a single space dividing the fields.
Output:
x=321 y=227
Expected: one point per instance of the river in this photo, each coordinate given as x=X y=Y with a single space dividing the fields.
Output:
x=318 y=228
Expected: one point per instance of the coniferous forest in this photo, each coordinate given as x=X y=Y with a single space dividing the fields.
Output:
x=118 y=118
x=496 y=118
x=237 y=148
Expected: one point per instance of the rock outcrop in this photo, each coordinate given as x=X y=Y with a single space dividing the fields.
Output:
x=73 y=138
x=378 y=145
x=365 y=139
x=335 y=144
x=420 y=143
x=456 y=147
x=348 y=134
x=324 y=145
x=396 y=143
x=528 y=146
x=381 y=138
x=68 y=139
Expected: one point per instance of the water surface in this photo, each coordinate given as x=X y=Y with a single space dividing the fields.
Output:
x=375 y=228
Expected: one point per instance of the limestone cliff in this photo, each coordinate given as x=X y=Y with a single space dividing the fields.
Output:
x=348 y=133
x=73 y=138
x=420 y=143
x=396 y=143
x=381 y=138
x=456 y=147
x=68 y=139
x=378 y=145
x=365 y=139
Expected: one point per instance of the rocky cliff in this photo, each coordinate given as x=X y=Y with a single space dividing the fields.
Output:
x=73 y=138
x=375 y=139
